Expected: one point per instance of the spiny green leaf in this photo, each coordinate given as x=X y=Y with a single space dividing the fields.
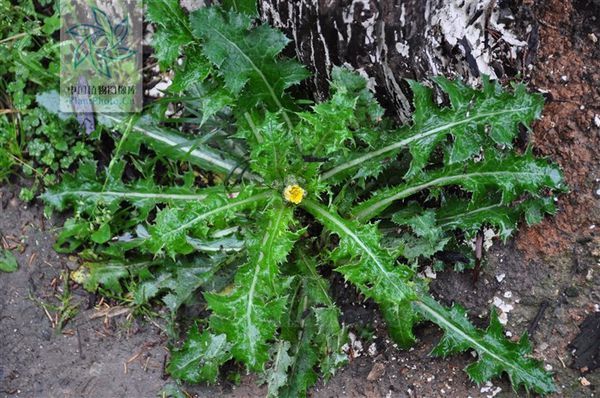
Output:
x=312 y=327
x=115 y=207
x=361 y=259
x=271 y=145
x=325 y=129
x=430 y=238
x=166 y=141
x=500 y=354
x=399 y=318
x=302 y=374
x=173 y=145
x=245 y=56
x=208 y=98
x=87 y=189
x=413 y=247
x=247 y=7
x=173 y=225
x=330 y=335
x=366 y=110
x=250 y=314
x=200 y=357
x=332 y=128
x=426 y=239
x=465 y=215
x=173 y=30
x=276 y=316
x=177 y=281
x=496 y=353
x=422 y=224
x=8 y=261
x=195 y=69
x=364 y=261
x=471 y=216
x=451 y=343
x=512 y=175
x=330 y=339
x=472 y=113
x=108 y=274
x=277 y=374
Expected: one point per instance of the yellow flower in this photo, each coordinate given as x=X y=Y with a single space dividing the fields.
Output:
x=294 y=193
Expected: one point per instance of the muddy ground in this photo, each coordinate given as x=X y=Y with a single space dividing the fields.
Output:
x=546 y=280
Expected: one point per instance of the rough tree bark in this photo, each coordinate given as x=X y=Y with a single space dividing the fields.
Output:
x=388 y=40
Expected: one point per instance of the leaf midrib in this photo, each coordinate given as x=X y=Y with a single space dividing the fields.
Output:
x=368 y=156
x=191 y=150
x=373 y=209
x=334 y=219
x=446 y=221
x=265 y=247
x=444 y=323
x=316 y=277
x=200 y=217
x=131 y=194
x=260 y=74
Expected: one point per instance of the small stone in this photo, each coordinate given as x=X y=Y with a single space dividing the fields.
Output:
x=502 y=305
x=500 y=277
x=590 y=274
x=159 y=89
x=503 y=318
x=376 y=372
x=504 y=308
x=372 y=349
x=584 y=382
x=572 y=291
x=430 y=273
x=593 y=38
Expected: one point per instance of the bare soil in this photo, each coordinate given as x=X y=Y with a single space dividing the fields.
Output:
x=568 y=70
x=550 y=275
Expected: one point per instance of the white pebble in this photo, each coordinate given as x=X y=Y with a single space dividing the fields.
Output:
x=430 y=273
x=372 y=349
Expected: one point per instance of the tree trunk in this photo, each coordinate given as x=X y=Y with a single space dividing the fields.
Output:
x=389 y=40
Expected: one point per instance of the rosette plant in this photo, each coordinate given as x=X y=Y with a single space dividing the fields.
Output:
x=297 y=191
